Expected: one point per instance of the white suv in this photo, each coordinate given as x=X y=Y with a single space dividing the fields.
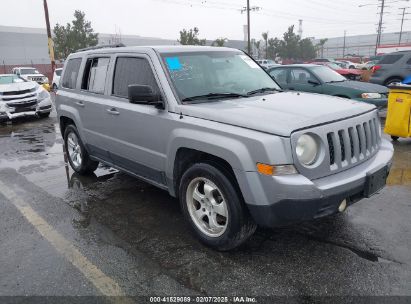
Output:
x=31 y=74
x=56 y=79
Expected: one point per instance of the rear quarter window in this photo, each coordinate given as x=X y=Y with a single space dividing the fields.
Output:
x=390 y=59
x=71 y=73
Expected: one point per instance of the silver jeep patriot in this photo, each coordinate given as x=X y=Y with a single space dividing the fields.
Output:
x=211 y=127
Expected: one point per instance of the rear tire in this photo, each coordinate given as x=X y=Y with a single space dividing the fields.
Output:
x=392 y=81
x=44 y=115
x=213 y=207
x=76 y=152
x=394 y=138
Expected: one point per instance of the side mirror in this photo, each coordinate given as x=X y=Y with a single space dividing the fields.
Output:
x=144 y=94
x=313 y=82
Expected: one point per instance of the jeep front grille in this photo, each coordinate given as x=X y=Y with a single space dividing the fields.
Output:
x=350 y=145
x=344 y=144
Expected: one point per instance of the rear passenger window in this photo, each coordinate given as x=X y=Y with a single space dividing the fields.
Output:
x=279 y=75
x=390 y=59
x=95 y=73
x=131 y=70
x=71 y=73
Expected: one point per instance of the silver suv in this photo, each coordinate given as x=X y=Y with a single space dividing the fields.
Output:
x=392 y=68
x=211 y=127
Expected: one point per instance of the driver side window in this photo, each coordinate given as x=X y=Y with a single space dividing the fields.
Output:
x=301 y=76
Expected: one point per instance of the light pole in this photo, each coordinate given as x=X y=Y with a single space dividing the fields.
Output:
x=248 y=9
x=402 y=22
x=50 y=39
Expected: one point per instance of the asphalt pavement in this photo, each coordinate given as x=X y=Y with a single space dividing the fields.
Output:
x=112 y=235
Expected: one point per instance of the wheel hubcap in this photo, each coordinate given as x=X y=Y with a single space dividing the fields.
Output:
x=207 y=207
x=74 y=150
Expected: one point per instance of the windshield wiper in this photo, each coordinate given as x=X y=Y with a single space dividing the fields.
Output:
x=263 y=90
x=211 y=96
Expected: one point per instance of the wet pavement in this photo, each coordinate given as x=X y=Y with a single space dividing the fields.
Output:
x=111 y=234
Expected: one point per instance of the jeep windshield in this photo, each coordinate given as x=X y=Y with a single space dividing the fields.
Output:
x=28 y=71
x=215 y=75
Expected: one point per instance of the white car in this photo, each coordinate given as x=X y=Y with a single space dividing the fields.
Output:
x=56 y=79
x=19 y=98
x=30 y=74
x=267 y=63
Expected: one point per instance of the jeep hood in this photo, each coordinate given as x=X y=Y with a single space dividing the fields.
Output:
x=18 y=86
x=278 y=113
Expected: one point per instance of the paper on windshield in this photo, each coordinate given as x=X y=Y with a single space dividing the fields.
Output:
x=249 y=61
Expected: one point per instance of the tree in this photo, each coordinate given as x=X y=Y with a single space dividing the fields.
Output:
x=320 y=46
x=273 y=48
x=307 y=49
x=190 y=37
x=219 y=42
x=265 y=37
x=77 y=35
x=257 y=45
x=289 y=46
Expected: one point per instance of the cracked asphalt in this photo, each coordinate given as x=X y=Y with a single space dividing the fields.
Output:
x=56 y=228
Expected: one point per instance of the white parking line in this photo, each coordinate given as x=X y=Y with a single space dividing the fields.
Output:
x=106 y=285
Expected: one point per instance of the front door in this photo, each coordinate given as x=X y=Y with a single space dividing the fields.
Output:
x=303 y=80
x=138 y=133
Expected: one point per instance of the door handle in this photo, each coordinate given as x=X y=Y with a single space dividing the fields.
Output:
x=80 y=103
x=113 y=111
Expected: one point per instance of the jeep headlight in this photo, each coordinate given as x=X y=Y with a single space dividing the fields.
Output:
x=371 y=95
x=42 y=94
x=306 y=149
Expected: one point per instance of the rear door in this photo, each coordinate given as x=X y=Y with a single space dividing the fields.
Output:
x=280 y=76
x=93 y=104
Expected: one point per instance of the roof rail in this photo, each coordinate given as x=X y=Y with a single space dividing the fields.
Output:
x=102 y=46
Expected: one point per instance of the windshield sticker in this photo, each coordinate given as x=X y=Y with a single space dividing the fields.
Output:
x=249 y=61
x=173 y=63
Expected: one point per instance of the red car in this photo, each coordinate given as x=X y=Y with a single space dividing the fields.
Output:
x=352 y=74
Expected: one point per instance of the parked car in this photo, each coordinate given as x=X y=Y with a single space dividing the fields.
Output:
x=211 y=127
x=352 y=74
x=267 y=63
x=367 y=65
x=19 y=97
x=341 y=64
x=56 y=79
x=350 y=64
x=392 y=68
x=32 y=74
x=323 y=80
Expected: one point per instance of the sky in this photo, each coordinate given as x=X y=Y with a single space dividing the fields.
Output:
x=214 y=18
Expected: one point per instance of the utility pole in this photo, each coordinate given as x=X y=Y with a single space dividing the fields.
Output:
x=248 y=9
x=50 y=39
x=345 y=34
x=380 y=26
x=402 y=22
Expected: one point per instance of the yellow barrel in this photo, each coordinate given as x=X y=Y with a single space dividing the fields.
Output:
x=398 y=122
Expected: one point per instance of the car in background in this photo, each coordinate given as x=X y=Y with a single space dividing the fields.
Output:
x=56 y=79
x=323 y=80
x=20 y=97
x=32 y=74
x=392 y=68
x=267 y=63
x=367 y=65
x=350 y=64
x=352 y=74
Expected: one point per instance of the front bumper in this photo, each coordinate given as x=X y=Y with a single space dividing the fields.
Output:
x=44 y=106
x=294 y=198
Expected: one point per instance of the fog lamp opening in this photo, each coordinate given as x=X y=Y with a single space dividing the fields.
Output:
x=342 y=206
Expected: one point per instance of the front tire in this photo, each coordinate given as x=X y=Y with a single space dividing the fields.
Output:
x=76 y=153
x=213 y=207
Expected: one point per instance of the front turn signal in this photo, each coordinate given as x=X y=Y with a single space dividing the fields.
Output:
x=276 y=170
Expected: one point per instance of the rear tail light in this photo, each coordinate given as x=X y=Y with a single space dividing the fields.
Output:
x=375 y=68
